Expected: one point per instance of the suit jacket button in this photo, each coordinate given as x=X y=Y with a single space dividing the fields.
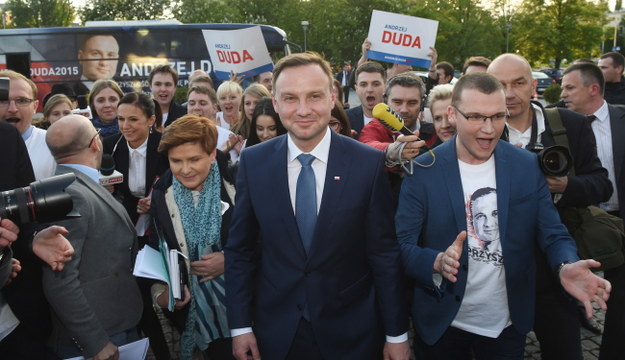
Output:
x=458 y=298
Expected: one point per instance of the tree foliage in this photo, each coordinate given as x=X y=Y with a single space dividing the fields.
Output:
x=124 y=10
x=559 y=29
x=40 y=13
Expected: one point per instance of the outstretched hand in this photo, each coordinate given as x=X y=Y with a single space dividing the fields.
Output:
x=51 y=246
x=448 y=262
x=582 y=284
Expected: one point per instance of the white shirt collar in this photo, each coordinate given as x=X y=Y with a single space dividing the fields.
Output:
x=603 y=113
x=142 y=149
x=321 y=152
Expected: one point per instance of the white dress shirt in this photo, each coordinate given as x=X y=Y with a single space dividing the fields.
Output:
x=603 y=137
x=136 y=169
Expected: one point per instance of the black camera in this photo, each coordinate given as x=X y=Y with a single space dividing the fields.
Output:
x=44 y=201
x=553 y=161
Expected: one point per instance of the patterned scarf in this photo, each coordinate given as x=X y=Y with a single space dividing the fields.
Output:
x=108 y=128
x=202 y=229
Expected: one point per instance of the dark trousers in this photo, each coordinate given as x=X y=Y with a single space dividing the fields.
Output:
x=220 y=349
x=304 y=345
x=150 y=325
x=613 y=340
x=556 y=318
x=346 y=94
x=456 y=344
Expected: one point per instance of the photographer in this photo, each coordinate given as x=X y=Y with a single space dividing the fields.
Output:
x=557 y=324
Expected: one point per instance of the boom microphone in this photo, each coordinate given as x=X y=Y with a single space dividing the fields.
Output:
x=108 y=174
x=390 y=119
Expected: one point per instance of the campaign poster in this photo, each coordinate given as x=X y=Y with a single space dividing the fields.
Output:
x=242 y=51
x=401 y=39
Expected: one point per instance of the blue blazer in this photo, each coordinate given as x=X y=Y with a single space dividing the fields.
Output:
x=351 y=281
x=431 y=214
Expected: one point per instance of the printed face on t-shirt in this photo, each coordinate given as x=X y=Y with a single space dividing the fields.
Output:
x=484 y=218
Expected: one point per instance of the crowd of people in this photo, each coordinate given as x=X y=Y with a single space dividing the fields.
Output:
x=310 y=229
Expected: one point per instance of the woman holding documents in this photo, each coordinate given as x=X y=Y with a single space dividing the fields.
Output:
x=191 y=209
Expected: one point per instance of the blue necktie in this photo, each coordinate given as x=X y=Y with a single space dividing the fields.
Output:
x=306 y=200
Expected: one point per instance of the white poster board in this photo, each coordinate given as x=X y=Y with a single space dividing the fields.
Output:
x=401 y=39
x=243 y=51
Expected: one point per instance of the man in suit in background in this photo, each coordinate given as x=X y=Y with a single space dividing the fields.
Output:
x=312 y=261
x=582 y=91
x=556 y=321
x=95 y=300
x=468 y=226
x=344 y=78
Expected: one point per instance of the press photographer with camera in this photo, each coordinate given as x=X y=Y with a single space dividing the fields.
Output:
x=556 y=324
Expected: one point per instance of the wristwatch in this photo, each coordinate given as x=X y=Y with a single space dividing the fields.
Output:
x=560 y=266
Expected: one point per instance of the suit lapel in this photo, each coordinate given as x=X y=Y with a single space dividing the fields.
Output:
x=502 y=177
x=454 y=183
x=617 y=127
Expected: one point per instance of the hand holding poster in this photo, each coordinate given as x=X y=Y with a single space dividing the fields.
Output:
x=243 y=51
x=401 y=39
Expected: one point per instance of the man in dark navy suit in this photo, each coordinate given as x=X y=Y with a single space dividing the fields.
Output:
x=312 y=261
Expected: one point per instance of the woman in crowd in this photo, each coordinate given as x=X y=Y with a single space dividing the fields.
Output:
x=103 y=100
x=438 y=102
x=56 y=107
x=229 y=96
x=266 y=123
x=251 y=97
x=339 y=122
x=191 y=207
x=135 y=153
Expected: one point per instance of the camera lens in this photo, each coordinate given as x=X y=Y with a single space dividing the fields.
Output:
x=555 y=161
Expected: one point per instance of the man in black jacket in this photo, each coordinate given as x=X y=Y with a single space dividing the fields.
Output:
x=163 y=80
x=556 y=321
x=611 y=65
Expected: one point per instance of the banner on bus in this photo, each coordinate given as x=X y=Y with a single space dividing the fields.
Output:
x=242 y=51
x=401 y=39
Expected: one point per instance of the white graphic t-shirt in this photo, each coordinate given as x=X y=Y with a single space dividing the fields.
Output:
x=484 y=309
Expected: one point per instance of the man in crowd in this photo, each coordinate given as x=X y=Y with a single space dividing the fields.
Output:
x=403 y=94
x=475 y=64
x=582 y=91
x=95 y=300
x=370 y=78
x=344 y=78
x=18 y=111
x=265 y=79
x=203 y=101
x=438 y=73
x=98 y=56
x=611 y=65
x=556 y=321
x=163 y=80
x=459 y=284
x=314 y=287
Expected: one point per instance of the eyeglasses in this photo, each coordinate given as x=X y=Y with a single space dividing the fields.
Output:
x=97 y=133
x=19 y=102
x=334 y=123
x=479 y=118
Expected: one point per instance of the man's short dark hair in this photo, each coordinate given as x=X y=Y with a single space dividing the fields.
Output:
x=589 y=73
x=407 y=79
x=447 y=68
x=480 y=81
x=476 y=61
x=371 y=67
x=210 y=92
x=301 y=59
x=165 y=69
x=617 y=58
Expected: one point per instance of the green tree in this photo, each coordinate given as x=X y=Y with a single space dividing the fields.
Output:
x=40 y=13
x=559 y=29
x=124 y=10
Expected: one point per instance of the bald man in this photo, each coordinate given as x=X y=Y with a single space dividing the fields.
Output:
x=95 y=300
x=556 y=323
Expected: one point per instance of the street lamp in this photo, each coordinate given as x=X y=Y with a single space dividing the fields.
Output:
x=305 y=27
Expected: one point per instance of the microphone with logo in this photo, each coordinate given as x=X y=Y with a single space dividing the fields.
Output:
x=108 y=174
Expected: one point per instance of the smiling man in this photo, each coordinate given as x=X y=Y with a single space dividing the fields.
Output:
x=465 y=300
x=163 y=80
x=321 y=288
x=98 y=56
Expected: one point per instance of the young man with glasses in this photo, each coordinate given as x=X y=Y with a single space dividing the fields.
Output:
x=468 y=297
x=18 y=111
